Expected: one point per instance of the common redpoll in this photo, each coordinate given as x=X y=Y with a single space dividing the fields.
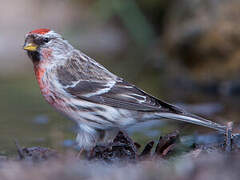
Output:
x=100 y=102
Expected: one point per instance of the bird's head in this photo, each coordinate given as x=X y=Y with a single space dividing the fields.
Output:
x=42 y=43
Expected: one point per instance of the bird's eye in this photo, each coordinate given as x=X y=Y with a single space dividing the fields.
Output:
x=46 y=40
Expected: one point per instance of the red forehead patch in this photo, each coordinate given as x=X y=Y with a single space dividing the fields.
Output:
x=40 y=31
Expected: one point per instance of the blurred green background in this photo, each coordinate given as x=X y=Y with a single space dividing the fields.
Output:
x=185 y=52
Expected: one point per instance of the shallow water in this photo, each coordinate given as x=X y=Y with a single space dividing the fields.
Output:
x=21 y=106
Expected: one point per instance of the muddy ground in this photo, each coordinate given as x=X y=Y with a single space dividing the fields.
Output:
x=169 y=158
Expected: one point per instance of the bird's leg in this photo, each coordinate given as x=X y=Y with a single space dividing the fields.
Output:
x=79 y=153
x=107 y=137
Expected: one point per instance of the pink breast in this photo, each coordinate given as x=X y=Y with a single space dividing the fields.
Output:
x=50 y=96
x=44 y=87
x=39 y=72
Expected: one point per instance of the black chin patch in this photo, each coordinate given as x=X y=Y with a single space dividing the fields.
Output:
x=34 y=56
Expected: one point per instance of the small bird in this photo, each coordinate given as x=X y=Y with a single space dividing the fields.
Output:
x=99 y=101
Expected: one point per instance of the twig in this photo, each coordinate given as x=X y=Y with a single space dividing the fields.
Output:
x=229 y=137
x=165 y=143
x=147 y=150
x=19 y=150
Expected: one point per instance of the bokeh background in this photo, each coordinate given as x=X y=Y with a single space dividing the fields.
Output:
x=185 y=52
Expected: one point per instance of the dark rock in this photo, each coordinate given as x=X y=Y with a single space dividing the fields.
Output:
x=122 y=148
x=36 y=154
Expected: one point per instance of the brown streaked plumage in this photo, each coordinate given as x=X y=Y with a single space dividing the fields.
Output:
x=96 y=99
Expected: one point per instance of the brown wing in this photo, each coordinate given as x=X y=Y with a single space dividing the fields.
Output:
x=121 y=95
x=84 y=78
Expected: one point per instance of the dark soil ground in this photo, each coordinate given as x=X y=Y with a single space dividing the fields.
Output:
x=169 y=158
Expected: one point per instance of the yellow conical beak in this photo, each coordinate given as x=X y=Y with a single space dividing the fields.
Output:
x=30 y=47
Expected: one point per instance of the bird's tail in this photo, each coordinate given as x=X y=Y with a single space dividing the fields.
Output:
x=190 y=118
